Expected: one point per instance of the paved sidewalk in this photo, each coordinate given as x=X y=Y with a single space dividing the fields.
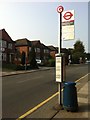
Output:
x=48 y=109
x=21 y=72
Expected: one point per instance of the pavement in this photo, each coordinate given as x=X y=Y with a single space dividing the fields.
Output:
x=50 y=111
x=9 y=73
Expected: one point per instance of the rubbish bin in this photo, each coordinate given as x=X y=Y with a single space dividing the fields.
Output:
x=70 y=97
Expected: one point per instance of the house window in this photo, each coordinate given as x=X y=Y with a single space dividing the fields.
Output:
x=10 y=45
x=46 y=51
x=37 y=50
x=29 y=49
x=44 y=57
x=0 y=43
x=0 y=56
x=4 y=44
x=4 y=56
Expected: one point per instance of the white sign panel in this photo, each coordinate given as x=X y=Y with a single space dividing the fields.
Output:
x=68 y=32
x=58 y=69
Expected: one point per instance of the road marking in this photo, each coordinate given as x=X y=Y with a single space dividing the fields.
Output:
x=44 y=102
x=82 y=78
x=38 y=106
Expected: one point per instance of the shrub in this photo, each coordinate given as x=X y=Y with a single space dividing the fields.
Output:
x=51 y=63
x=9 y=66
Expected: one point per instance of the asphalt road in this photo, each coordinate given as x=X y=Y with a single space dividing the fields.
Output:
x=22 y=92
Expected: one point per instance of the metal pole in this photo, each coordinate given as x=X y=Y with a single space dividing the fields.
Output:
x=60 y=10
x=60 y=31
x=60 y=84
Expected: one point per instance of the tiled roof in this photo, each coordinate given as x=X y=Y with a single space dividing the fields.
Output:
x=52 y=48
x=5 y=36
x=35 y=42
x=44 y=46
x=23 y=42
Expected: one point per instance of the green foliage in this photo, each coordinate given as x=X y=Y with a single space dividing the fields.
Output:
x=18 y=54
x=19 y=67
x=76 y=57
x=51 y=63
x=79 y=47
x=23 y=58
x=78 y=52
x=32 y=58
x=8 y=67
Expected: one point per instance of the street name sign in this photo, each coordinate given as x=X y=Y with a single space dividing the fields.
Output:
x=68 y=31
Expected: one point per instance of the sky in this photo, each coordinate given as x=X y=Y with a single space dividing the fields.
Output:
x=39 y=20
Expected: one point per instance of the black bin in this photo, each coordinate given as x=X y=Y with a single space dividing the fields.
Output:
x=70 y=97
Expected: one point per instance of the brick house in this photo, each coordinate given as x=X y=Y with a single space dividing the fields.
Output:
x=53 y=51
x=7 y=47
x=22 y=45
x=45 y=52
x=42 y=51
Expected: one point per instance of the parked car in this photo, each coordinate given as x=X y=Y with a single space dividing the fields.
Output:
x=39 y=62
x=88 y=62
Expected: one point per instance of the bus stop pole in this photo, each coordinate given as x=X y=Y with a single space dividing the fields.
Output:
x=60 y=47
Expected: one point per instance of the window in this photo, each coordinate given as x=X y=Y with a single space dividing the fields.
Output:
x=0 y=56
x=37 y=50
x=46 y=57
x=46 y=51
x=0 y=43
x=10 y=45
x=4 y=56
x=29 y=49
x=4 y=44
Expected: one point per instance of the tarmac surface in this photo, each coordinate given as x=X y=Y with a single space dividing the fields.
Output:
x=50 y=109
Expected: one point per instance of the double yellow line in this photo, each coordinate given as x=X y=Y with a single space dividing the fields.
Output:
x=44 y=102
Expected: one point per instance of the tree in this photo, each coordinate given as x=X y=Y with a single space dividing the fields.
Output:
x=79 y=47
x=32 y=58
x=23 y=57
x=78 y=52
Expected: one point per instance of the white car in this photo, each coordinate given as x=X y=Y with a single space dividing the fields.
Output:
x=88 y=62
x=38 y=61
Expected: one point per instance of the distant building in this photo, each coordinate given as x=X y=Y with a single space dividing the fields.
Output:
x=53 y=51
x=42 y=51
x=7 y=47
x=22 y=45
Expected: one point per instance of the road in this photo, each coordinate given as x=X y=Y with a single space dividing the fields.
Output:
x=22 y=92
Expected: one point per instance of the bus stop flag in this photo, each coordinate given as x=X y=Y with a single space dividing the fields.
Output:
x=68 y=30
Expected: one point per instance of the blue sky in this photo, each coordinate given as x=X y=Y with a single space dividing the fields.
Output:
x=39 y=21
